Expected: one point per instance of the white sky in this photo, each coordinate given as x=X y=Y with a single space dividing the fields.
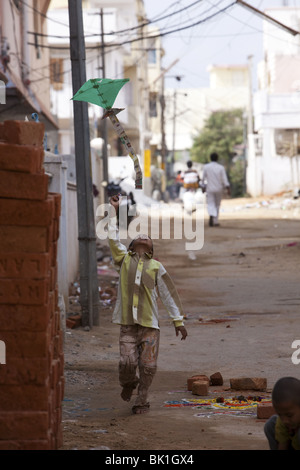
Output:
x=228 y=38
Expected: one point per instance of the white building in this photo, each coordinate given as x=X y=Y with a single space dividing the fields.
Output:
x=187 y=109
x=128 y=53
x=274 y=151
x=61 y=73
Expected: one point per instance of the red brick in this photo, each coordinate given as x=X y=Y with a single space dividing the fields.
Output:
x=265 y=410
x=55 y=230
x=74 y=321
x=57 y=420
x=59 y=439
x=24 y=132
x=26 y=212
x=26 y=344
x=53 y=272
x=200 y=387
x=24 y=425
x=20 y=371
x=56 y=323
x=15 y=238
x=60 y=389
x=54 y=373
x=58 y=344
x=55 y=292
x=1 y=130
x=25 y=292
x=24 y=265
x=216 y=379
x=247 y=383
x=34 y=444
x=57 y=200
x=193 y=379
x=24 y=158
x=26 y=318
x=53 y=253
x=23 y=185
x=24 y=397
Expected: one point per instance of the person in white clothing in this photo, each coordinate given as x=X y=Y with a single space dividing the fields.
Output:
x=215 y=181
x=190 y=178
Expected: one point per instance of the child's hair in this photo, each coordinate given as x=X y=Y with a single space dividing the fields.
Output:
x=286 y=389
x=132 y=242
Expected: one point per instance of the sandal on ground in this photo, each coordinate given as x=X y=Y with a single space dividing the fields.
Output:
x=141 y=409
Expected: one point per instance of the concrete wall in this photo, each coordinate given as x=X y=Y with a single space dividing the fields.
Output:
x=267 y=172
x=68 y=249
x=72 y=238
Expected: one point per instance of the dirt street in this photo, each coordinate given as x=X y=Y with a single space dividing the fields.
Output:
x=247 y=275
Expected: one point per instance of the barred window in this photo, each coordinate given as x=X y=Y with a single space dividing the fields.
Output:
x=56 y=74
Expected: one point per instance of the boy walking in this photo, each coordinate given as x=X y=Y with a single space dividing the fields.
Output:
x=142 y=279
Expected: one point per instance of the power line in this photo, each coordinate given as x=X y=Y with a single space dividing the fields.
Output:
x=43 y=14
x=130 y=41
x=112 y=32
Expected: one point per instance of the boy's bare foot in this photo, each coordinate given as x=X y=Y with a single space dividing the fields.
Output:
x=126 y=393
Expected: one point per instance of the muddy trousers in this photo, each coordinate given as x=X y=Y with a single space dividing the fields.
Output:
x=138 y=359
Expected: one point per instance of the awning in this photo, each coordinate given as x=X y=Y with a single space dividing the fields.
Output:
x=21 y=102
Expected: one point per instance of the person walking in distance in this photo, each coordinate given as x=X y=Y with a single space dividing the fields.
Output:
x=214 y=182
x=190 y=177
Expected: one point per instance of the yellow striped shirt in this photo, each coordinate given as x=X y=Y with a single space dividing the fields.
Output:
x=142 y=280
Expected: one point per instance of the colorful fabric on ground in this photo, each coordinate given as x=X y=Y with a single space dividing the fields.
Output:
x=220 y=405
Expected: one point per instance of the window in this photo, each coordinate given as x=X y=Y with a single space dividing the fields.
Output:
x=287 y=142
x=152 y=56
x=56 y=73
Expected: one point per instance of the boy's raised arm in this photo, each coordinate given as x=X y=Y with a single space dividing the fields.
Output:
x=170 y=298
x=118 y=250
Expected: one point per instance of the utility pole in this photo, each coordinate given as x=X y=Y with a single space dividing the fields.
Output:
x=89 y=292
x=174 y=134
x=161 y=76
x=162 y=123
x=250 y=110
x=104 y=121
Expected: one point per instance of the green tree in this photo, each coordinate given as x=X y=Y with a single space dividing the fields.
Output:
x=221 y=132
x=237 y=178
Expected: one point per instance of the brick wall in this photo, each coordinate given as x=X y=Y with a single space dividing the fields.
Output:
x=31 y=381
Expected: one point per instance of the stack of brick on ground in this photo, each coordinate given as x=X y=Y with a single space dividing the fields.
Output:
x=31 y=381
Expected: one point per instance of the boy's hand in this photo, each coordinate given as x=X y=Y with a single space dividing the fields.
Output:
x=115 y=202
x=182 y=330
